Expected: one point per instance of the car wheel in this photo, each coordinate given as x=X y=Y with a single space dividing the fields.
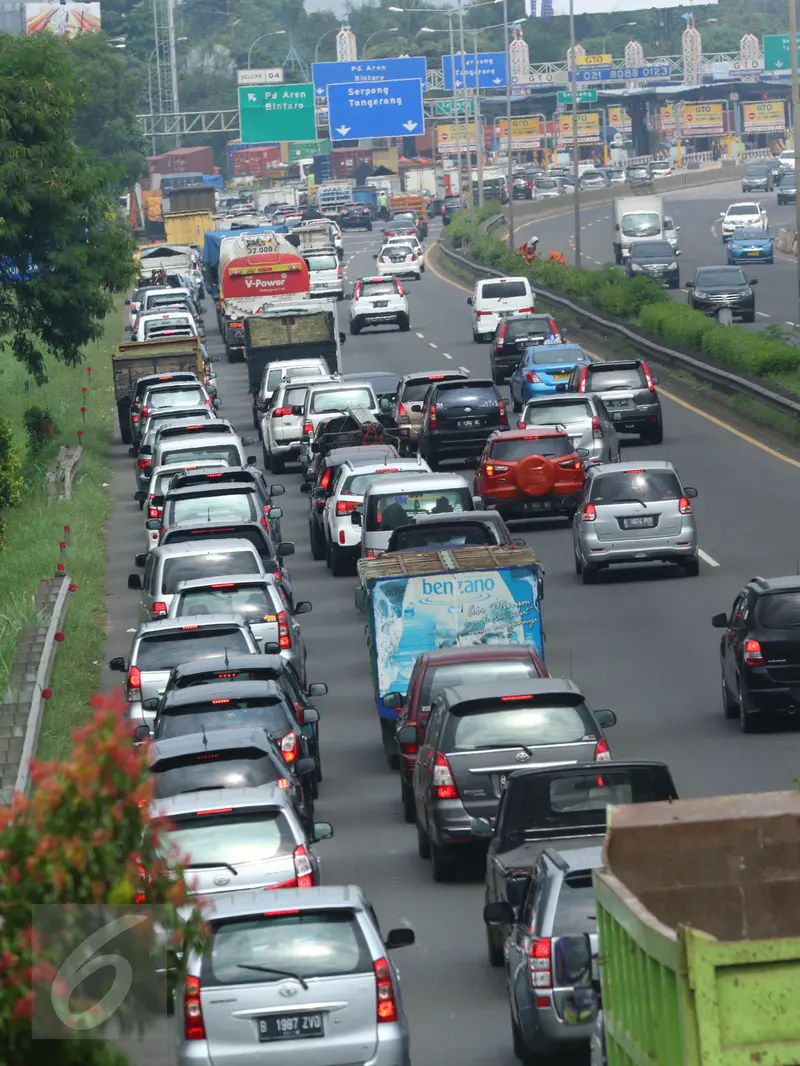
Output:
x=278 y=463
x=476 y=337
x=516 y=405
x=497 y=377
x=339 y=561
x=328 y=553
x=423 y=843
x=355 y=328
x=588 y=574
x=747 y=720
x=404 y=323
x=317 y=542
x=578 y=563
x=655 y=436
x=749 y=316
x=493 y=950
x=730 y=708
x=520 y=1047
x=409 y=806
x=266 y=458
x=443 y=865
x=692 y=568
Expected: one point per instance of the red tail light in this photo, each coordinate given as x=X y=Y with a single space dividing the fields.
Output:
x=134 y=685
x=526 y=311
x=480 y=313
x=597 y=431
x=500 y=339
x=308 y=429
x=532 y=378
x=387 y=1004
x=346 y=506
x=236 y=325
x=432 y=416
x=601 y=752
x=263 y=522
x=144 y=413
x=159 y=610
x=553 y=326
x=413 y=258
x=325 y=480
x=143 y=464
x=752 y=653
x=193 y=1026
x=134 y=418
x=571 y=464
x=381 y=259
x=401 y=410
x=357 y=292
x=289 y=747
x=501 y=410
x=443 y=781
x=303 y=868
x=582 y=382
x=492 y=469
x=339 y=270
x=590 y=513
x=284 y=633
x=540 y=962
x=648 y=379
x=684 y=507
x=154 y=512
x=281 y=412
x=372 y=553
x=400 y=290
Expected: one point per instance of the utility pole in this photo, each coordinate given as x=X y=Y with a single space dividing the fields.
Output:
x=795 y=124
x=456 y=117
x=478 y=126
x=573 y=79
x=510 y=167
x=466 y=109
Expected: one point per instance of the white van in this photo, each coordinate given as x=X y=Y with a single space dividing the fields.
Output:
x=494 y=298
x=396 y=500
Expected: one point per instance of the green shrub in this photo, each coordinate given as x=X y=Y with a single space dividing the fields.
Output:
x=11 y=480
x=676 y=322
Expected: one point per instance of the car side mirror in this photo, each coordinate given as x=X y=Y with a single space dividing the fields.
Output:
x=275 y=513
x=305 y=488
x=127 y=303
x=399 y=938
x=310 y=716
x=753 y=281
x=151 y=704
x=407 y=734
x=654 y=379
x=252 y=460
x=139 y=495
x=315 y=448
x=356 y=517
x=153 y=523
x=303 y=767
x=117 y=664
x=719 y=621
x=498 y=913
x=277 y=490
x=677 y=251
x=322 y=831
x=690 y=493
x=689 y=284
x=247 y=442
x=374 y=257
x=583 y=453
x=216 y=404
x=722 y=214
x=286 y=547
x=303 y=607
x=392 y=699
x=271 y=647
x=141 y=733
x=384 y=404
x=319 y=495
x=134 y=581
x=469 y=301
x=605 y=718
x=317 y=688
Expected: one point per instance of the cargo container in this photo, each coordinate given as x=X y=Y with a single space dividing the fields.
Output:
x=322 y=168
x=183 y=161
x=188 y=227
x=345 y=160
x=193 y=198
x=699 y=932
x=257 y=162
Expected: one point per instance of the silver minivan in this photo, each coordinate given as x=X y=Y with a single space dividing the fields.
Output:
x=325 y=273
x=585 y=419
x=300 y=977
x=396 y=500
x=169 y=564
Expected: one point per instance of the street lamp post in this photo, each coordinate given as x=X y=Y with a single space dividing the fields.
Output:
x=272 y=33
x=150 y=99
x=388 y=29
x=575 y=170
x=327 y=33
x=620 y=26
x=509 y=164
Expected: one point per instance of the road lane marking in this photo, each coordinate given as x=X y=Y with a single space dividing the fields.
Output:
x=433 y=345
x=762 y=314
x=670 y=396
x=420 y=336
x=707 y=558
x=446 y=355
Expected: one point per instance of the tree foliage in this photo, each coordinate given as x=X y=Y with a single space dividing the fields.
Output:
x=64 y=251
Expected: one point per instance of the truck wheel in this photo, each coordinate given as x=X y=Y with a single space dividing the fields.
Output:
x=267 y=458
x=123 y=417
x=389 y=742
x=423 y=843
x=618 y=256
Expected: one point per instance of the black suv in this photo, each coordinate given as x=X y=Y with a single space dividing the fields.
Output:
x=628 y=391
x=355 y=216
x=718 y=288
x=459 y=418
x=787 y=190
x=513 y=337
x=657 y=260
x=760 y=651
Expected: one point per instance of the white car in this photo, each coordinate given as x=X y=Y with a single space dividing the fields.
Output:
x=152 y=501
x=342 y=538
x=415 y=244
x=151 y=324
x=670 y=231
x=750 y=215
x=332 y=400
x=325 y=273
x=660 y=168
x=377 y=301
x=282 y=425
x=786 y=159
x=399 y=260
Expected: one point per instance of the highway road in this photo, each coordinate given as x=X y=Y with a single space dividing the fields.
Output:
x=697 y=213
x=640 y=642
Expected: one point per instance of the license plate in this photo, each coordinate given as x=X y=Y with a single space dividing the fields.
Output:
x=289 y=1027
x=466 y=423
x=616 y=403
x=560 y=377
x=538 y=505
x=381 y=303
x=639 y=522
x=754 y=254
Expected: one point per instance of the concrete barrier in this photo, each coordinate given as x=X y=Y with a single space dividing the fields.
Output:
x=787 y=242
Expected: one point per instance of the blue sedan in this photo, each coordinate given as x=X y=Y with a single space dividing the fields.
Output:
x=751 y=246
x=544 y=369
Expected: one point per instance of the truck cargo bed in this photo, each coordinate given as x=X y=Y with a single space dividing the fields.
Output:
x=413 y=564
x=137 y=359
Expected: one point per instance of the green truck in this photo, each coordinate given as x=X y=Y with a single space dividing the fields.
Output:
x=698 y=922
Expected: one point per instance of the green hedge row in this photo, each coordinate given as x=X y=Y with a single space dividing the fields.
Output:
x=641 y=302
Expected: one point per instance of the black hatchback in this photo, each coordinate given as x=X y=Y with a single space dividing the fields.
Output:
x=512 y=339
x=459 y=418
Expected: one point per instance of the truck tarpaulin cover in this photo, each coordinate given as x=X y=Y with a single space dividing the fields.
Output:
x=213 y=239
x=417 y=614
x=268 y=274
x=278 y=330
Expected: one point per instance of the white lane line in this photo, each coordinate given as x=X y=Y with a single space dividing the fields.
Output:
x=707 y=558
x=420 y=336
x=762 y=314
x=432 y=344
x=446 y=355
x=791 y=324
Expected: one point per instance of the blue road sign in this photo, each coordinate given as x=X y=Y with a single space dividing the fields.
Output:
x=379 y=109
x=622 y=73
x=491 y=70
x=367 y=70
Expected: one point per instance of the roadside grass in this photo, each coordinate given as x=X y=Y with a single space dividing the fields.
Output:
x=36 y=527
x=765 y=415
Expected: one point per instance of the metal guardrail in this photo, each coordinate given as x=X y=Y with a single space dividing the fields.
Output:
x=715 y=375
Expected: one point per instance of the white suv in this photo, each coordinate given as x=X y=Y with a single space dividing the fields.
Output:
x=399 y=260
x=342 y=538
x=377 y=301
x=282 y=425
x=749 y=214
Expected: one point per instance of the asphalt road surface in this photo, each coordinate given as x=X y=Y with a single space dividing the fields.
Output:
x=639 y=641
x=697 y=213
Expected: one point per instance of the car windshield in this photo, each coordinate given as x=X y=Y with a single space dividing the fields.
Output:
x=742 y=209
x=274 y=377
x=641 y=224
x=636 y=486
x=534 y=327
x=358 y=483
x=254 y=601
x=414 y=391
x=378 y=288
x=759 y=171
x=211 y=565
x=227 y=770
x=555 y=355
x=546 y=183
x=211 y=508
x=341 y=400
x=309 y=943
x=654 y=250
x=240 y=837
x=723 y=276
x=251 y=713
x=503 y=290
x=558 y=413
x=163 y=651
x=399 y=250
x=228 y=452
x=496 y=671
x=514 y=450
x=607 y=378
x=510 y=727
x=386 y=513
x=322 y=262
x=575 y=908
x=745 y=233
x=779 y=611
x=184 y=397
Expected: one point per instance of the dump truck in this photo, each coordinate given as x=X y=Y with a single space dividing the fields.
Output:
x=188 y=227
x=423 y=601
x=699 y=932
x=137 y=359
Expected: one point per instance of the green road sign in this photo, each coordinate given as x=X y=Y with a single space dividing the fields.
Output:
x=276 y=113
x=585 y=96
x=306 y=149
x=445 y=107
x=776 y=52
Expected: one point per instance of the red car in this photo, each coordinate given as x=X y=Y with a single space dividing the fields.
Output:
x=437 y=670
x=530 y=473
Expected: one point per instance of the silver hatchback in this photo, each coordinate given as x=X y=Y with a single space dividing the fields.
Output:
x=634 y=513
x=301 y=977
x=584 y=418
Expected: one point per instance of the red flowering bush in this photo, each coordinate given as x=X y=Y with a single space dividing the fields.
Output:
x=83 y=837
